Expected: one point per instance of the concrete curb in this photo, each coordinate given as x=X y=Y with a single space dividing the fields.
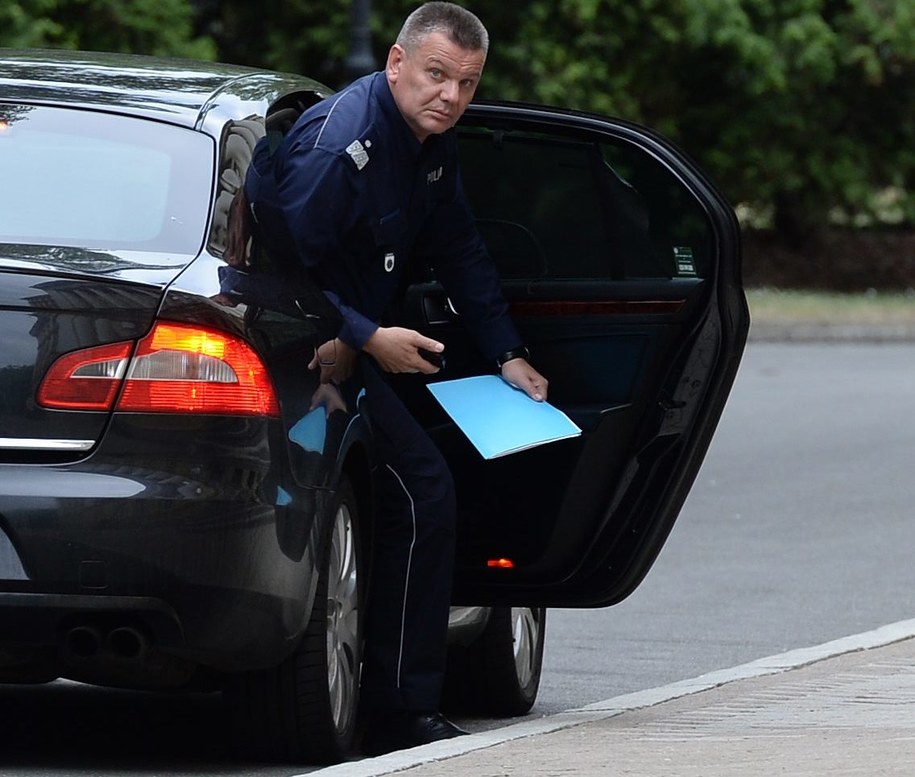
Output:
x=783 y=662
x=807 y=332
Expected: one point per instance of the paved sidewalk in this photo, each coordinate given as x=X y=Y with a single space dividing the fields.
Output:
x=843 y=708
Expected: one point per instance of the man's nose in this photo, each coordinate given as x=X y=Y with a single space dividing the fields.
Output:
x=450 y=91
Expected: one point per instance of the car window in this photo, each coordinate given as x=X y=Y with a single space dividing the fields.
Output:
x=563 y=207
x=236 y=147
x=230 y=226
x=95 y=180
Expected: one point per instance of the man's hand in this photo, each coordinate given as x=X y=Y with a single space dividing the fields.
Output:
x=336 y=361
x=397 y=350
x=329 y=397
x=520 y=374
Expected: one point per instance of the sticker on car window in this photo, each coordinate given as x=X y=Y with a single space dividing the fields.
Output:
x=683 y=257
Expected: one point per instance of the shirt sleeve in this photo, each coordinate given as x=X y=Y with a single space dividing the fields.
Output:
x=317 y=190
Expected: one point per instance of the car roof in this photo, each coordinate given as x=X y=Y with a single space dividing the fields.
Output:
x=173 y=90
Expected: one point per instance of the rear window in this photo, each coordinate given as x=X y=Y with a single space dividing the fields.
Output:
x=100 y=181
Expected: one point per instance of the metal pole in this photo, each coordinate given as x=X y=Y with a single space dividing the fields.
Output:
x=360 y=60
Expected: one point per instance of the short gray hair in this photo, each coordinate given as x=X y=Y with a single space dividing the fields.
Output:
x=459 y=24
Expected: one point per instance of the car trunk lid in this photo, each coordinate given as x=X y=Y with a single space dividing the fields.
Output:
x=46 y=313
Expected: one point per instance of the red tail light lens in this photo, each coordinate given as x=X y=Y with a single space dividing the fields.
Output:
x=87 y=379
x=176 y=369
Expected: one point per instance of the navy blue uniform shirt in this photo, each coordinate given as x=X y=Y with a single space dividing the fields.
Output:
x=362 y=196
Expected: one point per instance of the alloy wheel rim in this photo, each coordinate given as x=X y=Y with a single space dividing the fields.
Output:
x=525 y=636
x=342 y=619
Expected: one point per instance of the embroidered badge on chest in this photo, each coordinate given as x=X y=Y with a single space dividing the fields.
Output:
x=434 y=176
x=357 y=151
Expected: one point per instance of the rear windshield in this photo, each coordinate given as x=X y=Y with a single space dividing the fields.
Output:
x=99 y=181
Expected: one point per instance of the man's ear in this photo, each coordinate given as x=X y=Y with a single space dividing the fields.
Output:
x=396 y=57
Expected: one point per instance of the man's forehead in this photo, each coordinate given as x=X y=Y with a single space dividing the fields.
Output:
x=438 y=48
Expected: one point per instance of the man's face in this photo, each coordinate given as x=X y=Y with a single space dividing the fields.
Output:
x=433 y=83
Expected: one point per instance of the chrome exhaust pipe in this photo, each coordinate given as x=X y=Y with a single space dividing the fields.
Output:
x=82 y=642
x=126 y=642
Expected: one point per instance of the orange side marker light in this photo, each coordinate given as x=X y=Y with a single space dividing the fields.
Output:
x=500 y=563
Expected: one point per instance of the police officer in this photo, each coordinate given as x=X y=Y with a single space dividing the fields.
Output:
x=367 y=180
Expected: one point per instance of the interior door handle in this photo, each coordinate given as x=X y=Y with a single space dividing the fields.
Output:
x=438 y=308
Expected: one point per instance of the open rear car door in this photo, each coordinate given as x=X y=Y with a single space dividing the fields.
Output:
x=621 y=263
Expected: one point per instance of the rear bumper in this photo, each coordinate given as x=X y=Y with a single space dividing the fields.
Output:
x=30 y=619
x=76 y=635
x=213 y=563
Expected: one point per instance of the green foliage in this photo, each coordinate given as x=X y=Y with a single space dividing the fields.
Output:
x=158 y=27
x=303 y=36
x=814 y=113
x=26 y=24
x=804 y=109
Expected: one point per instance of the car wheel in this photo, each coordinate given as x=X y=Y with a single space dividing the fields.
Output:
x=304 y=710
x=499 y=673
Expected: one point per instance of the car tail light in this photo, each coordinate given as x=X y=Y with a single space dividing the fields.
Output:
x=87 y=379
x=176 y=368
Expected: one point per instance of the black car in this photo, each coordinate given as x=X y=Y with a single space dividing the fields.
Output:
x=183 y=506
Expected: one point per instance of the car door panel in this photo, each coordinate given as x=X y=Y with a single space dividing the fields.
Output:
x=621 y=265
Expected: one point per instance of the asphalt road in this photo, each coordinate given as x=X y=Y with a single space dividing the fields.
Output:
x=799 y=530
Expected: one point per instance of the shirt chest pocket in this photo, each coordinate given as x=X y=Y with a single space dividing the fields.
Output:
x=389 y=234
x=388 y=231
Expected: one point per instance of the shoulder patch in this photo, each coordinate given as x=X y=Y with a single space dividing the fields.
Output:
x=358 y=153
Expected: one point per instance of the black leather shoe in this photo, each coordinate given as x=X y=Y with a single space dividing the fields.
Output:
x=402 y=731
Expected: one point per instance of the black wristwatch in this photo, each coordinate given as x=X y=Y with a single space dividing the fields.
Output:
x=515 y=353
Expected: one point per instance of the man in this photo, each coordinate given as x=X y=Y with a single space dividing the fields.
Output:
x=368 y=180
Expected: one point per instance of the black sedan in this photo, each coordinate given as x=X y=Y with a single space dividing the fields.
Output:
x=183 y=506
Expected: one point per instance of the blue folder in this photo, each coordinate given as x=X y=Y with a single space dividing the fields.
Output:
x=498 y=418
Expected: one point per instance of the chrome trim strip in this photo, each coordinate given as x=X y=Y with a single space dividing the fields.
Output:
x=25 y=444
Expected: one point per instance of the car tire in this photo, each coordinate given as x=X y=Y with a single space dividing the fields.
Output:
x=498 y=674
x=304 y=710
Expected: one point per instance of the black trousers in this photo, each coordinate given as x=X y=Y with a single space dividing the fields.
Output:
x=413 y=562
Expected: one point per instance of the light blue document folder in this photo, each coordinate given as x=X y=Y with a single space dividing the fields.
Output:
x=498 y=418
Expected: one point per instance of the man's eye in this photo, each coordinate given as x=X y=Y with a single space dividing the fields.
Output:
x=435 y=73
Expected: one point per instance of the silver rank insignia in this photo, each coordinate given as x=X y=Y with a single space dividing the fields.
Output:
x=388 y=262
x=357 y=151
